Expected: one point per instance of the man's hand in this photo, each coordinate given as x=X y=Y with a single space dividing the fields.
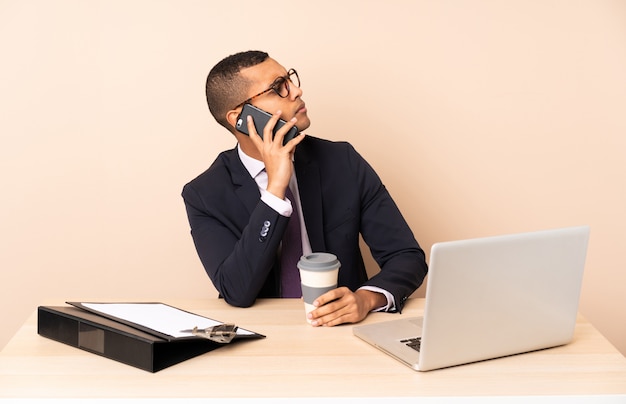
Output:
x=341 y=305
x=278 y=159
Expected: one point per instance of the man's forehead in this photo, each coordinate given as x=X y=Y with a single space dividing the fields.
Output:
x=264 y=73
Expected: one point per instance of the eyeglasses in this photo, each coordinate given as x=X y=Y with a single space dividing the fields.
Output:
x=280 y=86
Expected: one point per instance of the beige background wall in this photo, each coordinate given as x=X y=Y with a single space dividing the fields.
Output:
x=482 y=117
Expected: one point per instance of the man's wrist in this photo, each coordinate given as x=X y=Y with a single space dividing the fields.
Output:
x=373 y=300
x=387 y=304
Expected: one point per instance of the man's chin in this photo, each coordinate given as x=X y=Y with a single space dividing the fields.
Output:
x=303 y=123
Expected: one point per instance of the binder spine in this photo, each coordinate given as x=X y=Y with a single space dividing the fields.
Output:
x=96 y=338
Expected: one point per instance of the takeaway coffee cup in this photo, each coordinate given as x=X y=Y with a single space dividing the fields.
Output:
x=318 y=273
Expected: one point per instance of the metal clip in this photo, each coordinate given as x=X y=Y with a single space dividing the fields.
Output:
x=221 y=333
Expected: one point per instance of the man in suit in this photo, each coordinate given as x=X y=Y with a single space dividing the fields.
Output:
x=239 y=210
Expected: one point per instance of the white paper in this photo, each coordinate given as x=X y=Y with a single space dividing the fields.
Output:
x=158 y=316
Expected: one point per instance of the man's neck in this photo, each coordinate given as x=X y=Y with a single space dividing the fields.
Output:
x=248 y=147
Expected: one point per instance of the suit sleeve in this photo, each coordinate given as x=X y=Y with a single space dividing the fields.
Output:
x=237 y=248
x=392 y=243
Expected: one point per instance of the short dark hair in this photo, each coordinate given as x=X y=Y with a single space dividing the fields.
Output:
x=225 y=87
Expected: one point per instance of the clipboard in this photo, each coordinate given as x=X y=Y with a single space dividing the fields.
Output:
x=160 y=319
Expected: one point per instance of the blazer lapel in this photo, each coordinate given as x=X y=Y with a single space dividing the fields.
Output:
x=245 y=186
x=309 y=185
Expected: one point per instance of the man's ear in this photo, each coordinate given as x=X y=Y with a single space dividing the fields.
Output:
x=231 y=117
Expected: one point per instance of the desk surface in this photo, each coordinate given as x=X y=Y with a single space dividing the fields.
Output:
x=297 y=360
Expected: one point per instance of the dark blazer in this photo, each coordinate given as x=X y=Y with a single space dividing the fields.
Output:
x=341 y=197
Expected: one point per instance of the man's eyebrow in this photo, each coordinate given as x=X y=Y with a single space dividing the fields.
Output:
x=277 y=79
x=284 y=76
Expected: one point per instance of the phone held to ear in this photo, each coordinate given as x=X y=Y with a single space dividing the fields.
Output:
x=260 y=119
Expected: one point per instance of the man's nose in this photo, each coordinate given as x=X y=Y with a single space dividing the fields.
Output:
x=295 y=92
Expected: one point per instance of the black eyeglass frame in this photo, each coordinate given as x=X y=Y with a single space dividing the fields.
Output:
x=275 y=86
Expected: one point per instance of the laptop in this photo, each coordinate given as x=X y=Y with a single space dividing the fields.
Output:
x=490 y=297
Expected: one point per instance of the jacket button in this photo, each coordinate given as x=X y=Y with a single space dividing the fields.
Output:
x=264 y=231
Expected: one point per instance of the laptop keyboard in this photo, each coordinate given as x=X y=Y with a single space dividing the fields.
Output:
x=414 y=343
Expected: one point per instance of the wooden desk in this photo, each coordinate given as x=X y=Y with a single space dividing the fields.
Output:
x=297 y=360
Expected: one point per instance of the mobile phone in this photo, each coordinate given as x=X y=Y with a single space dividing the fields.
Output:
x=260 y=119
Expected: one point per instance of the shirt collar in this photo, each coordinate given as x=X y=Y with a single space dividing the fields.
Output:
x=254 y=166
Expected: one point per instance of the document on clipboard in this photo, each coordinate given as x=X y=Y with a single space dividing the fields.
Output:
x=167 y=321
